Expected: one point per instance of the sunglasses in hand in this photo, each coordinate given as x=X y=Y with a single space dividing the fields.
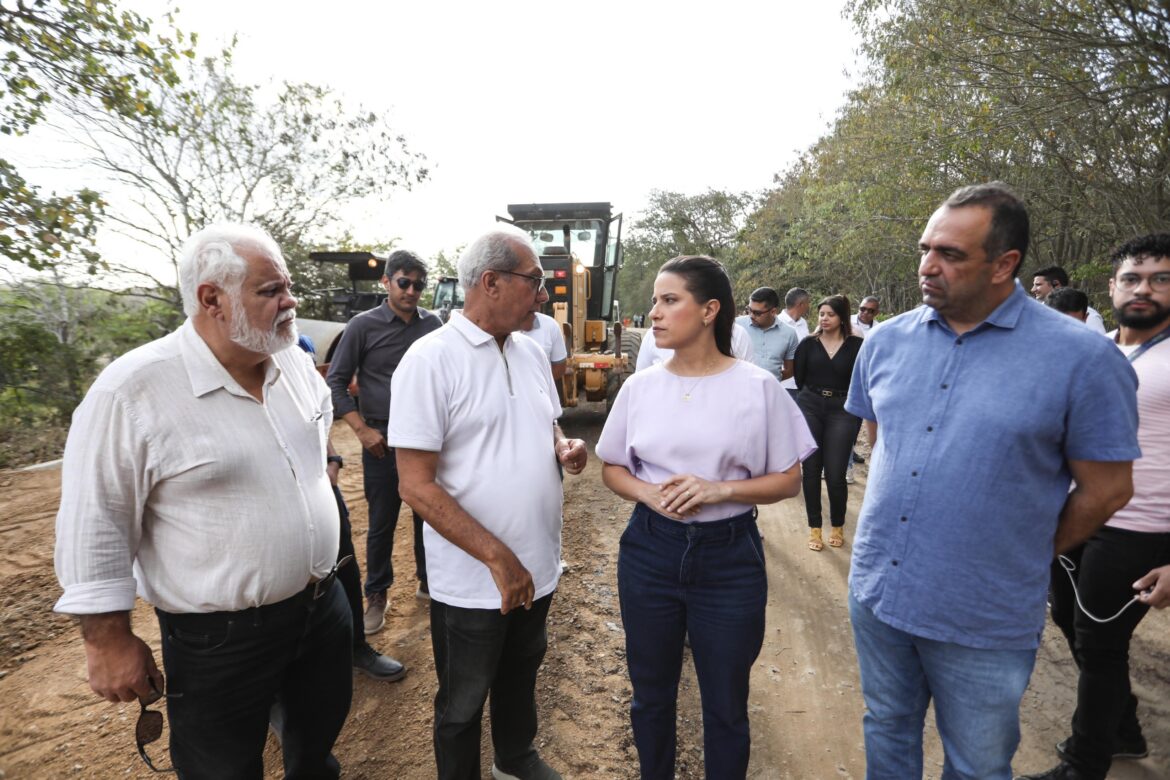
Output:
x=150 y=725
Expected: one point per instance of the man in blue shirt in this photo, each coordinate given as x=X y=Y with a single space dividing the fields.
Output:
x=773 y=342
x=951 y=558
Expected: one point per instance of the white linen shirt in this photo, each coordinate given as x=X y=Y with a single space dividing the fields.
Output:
x=489 y=414
x=180 y=486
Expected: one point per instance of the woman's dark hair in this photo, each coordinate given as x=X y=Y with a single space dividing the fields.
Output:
x=706 y=279
x=840 y=306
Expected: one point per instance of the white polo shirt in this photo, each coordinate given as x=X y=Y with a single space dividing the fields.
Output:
x=547 y=333
x=489 y=414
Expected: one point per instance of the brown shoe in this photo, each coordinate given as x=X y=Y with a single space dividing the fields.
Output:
x=814 y=540
x=375 y=617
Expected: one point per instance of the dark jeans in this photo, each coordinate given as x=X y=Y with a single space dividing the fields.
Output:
x=350 y=575
x=477 y=652
x=705 y=580
x=1107 y=566
x=834 y=430
x=380 y=480
x=225 y=671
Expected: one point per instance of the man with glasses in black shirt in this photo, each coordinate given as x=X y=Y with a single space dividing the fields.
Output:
x=372 y=347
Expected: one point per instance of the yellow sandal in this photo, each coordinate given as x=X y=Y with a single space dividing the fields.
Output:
x=814 y=540
x=836 y=536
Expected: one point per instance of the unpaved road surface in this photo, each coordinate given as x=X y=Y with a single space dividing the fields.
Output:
x=805 y=706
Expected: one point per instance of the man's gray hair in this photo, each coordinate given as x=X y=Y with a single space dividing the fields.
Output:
x=794 y=296
x=495 y=250
x=211 y=256
x=873 y=298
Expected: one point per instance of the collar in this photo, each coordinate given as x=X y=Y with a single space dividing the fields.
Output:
x=204 y=370
x=475 y=335
x=1006 y=315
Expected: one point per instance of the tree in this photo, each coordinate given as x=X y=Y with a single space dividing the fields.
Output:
x=83 y=51
x=674 y=224
x=1064 y=99
x=291 y=164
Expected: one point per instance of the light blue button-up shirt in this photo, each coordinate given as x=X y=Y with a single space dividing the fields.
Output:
x=970 y=471
x=771 y=346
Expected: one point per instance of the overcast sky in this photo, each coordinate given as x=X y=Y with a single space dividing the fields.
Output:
x=547 y=101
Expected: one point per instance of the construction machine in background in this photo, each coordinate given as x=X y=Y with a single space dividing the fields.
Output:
x=580 y=249
x=365 y=269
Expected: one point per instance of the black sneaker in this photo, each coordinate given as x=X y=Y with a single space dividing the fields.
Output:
x=535 y=769
x=371 y=663
x=1061 y=771
x=857 y=458
x=1125 y=749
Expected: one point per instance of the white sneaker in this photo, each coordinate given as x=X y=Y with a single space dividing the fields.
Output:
x=849 y=474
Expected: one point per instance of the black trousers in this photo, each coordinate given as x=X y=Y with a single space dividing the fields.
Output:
x=834 y=430
x=380 y=481
x=477 y=652
x=225 y=671
x=350 y=575
x=1107 y=566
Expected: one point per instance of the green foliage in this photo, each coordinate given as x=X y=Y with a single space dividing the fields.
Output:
x=292 y=164
x=54 y=338
x=73 y=52
x=1064 y=99
x=675 y=224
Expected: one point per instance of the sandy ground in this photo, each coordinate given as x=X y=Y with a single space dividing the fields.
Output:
x=806 y=705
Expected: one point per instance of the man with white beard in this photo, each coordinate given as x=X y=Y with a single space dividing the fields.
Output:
x=195 y=477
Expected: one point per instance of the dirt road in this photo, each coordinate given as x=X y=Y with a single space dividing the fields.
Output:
x=805 y=706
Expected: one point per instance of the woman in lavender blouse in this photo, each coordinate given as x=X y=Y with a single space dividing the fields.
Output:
x=697 y=443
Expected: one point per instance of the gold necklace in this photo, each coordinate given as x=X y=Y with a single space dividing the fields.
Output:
x=706 y=373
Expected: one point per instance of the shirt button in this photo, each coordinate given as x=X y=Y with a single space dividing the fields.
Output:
x=944 y=387
x=929 y=428
x=914 y=473
x=904 y=518
x=894 y=562
x=959 y=342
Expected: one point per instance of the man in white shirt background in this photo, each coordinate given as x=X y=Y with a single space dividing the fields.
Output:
x=195 y=475
x=865 y=319
x=547 y=332
x=796 y=303
x=473 y=413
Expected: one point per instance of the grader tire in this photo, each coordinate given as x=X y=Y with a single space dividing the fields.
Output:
x=631 y=342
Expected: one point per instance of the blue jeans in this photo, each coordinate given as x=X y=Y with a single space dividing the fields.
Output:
x=477 y=652
x=976 y=696
x=380 y=481
x=706 y=580
x=225 y=670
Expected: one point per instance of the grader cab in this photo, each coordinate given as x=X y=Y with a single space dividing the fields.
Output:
x=579 y=245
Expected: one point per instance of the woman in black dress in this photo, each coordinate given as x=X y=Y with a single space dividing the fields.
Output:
x=823 y=366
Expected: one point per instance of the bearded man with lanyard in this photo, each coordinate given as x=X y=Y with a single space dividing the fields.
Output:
x=1105 y=574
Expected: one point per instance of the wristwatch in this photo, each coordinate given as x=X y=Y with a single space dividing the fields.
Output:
x=335 y=459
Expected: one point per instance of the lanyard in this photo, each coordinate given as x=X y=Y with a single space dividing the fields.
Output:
x=1158 y=338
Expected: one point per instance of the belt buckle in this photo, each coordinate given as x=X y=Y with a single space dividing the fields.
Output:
x=321 y=585
x=827 y=393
